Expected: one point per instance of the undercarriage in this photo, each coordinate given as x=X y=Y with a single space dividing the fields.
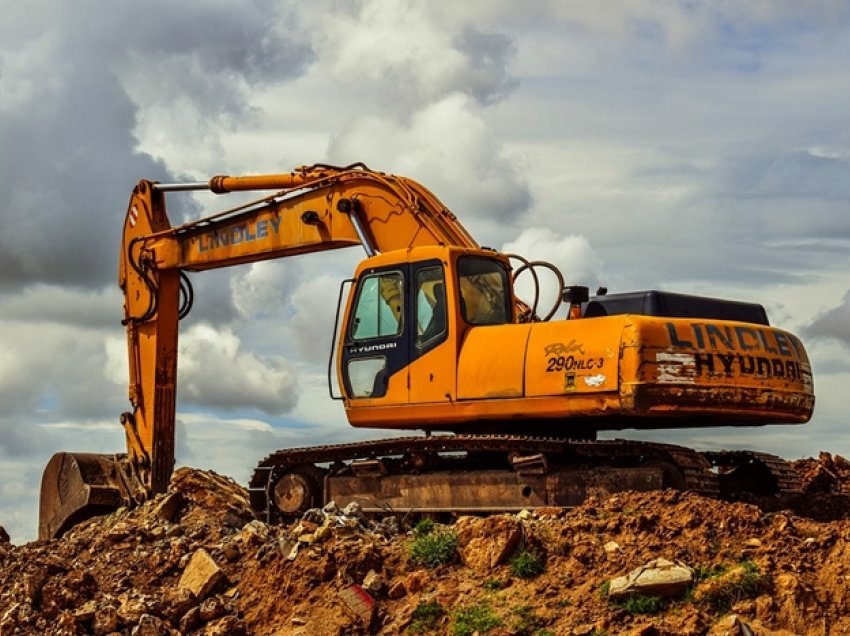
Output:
x=478 y=474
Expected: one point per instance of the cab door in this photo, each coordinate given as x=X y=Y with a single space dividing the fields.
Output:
x=432 y=360
x=376 y=351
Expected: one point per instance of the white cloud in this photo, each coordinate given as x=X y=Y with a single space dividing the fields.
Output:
x=216 y=373
x=448 y=147
x=834 y=322
x=264 y=287
x=409 y=55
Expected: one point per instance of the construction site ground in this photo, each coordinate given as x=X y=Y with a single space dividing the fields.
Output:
x=194 y=561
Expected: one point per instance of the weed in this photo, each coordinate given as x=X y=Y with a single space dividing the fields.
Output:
x=426 y=617
x=705 y=572
x=423 y=527
x=475 y=618
x=493 y=585
x=735 y=584
x=433 y=549
x=642 y=604
x=526 y=622
x=564 y=602
x=604 y=588
x=526 y=564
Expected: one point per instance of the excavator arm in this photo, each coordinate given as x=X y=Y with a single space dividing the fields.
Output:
x=312 y=209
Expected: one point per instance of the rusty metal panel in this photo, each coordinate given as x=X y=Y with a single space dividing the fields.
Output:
x=730 y=370
x=484 y=491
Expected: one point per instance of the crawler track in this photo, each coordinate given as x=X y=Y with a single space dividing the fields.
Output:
x=744 y=473
x=543 y=464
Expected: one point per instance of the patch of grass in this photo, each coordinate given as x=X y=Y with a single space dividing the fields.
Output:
x=642 y=604
x=423 y=527
x=732 y=585
x=493 y=585
x=527 y=564
x=525 y=620
x=475 y=618
x=705 y=572
x=604 y=588
x=426 y=617
x=564 y=602
x=433 y=549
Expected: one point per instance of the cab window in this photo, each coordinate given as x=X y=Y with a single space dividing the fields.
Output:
x=380 y=306
x=430 y=306
x=484 y=291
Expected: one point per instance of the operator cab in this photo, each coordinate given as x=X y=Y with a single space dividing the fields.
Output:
x=407 y=304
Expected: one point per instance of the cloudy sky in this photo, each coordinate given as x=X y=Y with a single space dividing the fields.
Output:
x=697 y=147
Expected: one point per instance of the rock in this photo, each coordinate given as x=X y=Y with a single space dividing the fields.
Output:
x=360 y=603
x=324 y=531
x=524 y=515
x=169 y=506
x=331 y=508
x=753 y=543
x=157 y=533
x=396 y=590
x=237 y=518
x=289 y=549
x=176 y=602
x=314 y=515
x=730 y=625
x=4 y=536
x=485 y=543
x=150 y=625
x=226 y=626
x=212 y=608
x=611 y=548
x=353 y=509
x=659 y=577
x=105 y=620
x=85 y=613
x=190 y=620
x=373 y=582
x=131 y=609
x=201 y=574
x=231 y=552
x=254 y=533
x=33 y=584
x=304 y=527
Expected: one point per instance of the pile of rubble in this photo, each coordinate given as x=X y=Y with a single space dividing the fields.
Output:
x=194 y=561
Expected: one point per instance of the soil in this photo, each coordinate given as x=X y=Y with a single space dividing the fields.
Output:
x=195 y=561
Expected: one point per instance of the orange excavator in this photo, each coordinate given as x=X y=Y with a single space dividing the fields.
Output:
x=432 y=338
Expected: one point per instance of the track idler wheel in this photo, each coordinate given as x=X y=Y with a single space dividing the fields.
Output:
x=297 y=490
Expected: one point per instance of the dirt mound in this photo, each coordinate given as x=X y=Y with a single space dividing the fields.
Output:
x=195 y=562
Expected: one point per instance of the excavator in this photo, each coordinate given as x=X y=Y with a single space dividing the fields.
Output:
x=493 y=407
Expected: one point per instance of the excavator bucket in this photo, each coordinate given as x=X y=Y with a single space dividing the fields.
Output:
x=76 y=487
